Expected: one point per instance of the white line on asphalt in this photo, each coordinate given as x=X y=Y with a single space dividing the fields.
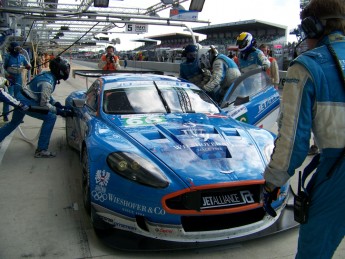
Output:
x=4 y=145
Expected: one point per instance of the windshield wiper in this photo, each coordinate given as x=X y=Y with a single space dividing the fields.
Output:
x=166 y=106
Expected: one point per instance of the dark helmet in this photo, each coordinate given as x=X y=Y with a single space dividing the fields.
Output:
x=14 y=48
x=60 y=68
x=190 y=52
x=190 y=48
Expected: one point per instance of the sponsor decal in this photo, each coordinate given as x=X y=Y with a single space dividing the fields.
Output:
x=135 y=206
x=292 y=80
x=205 y=144
x=124 y=227
x=102 y=178
x=196 y=132
x=211 y=115
x=118 y=225
x=227 y=200
x=99 y=193
x=210 y=152
x=268 y=102
x=164 y=230
x=239 y=113
x=243 y=118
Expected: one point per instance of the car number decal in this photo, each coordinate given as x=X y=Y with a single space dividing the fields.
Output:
x=141 y=120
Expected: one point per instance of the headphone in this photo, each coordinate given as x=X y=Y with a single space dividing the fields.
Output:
x=313 y=27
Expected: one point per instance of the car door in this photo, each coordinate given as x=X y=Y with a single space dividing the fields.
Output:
x=90 y=111
x=85 y=106
x=253 y=99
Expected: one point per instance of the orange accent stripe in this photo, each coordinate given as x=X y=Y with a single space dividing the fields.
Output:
x=213 y=211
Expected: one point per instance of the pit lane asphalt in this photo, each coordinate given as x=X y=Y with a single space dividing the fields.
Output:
x=41 y=209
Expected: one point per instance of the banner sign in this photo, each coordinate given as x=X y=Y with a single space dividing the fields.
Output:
x=136 y=28
x=183 y=14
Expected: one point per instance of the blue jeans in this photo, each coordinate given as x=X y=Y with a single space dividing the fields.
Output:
x=17 y=117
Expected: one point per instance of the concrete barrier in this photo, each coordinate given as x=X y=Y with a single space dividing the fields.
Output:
x=151 y=65
x=174 y=68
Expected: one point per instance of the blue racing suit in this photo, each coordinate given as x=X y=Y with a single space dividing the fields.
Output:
x=251 y=59
x=191 y=71
x=314 y=99
x=13 y=65
x=224 y=72
x=38 y=93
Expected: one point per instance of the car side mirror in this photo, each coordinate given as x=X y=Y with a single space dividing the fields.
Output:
x=79 y=103
x=241 y=100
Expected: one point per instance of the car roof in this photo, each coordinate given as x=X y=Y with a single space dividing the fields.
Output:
x=110 y=81
x=137 y=77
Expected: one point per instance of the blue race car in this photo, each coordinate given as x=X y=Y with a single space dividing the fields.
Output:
x=163 y=167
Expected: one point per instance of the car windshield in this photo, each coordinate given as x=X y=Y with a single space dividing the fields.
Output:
x=157 y=98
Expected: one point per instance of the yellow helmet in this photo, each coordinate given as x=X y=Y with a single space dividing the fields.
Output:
x=244 y=41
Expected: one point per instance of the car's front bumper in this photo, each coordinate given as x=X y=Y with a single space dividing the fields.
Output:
x=127 y=240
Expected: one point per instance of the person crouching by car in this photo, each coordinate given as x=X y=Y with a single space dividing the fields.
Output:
x=39 y=93
x=109 y=61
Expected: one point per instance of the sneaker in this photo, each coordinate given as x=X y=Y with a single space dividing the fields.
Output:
x=313 y=150
x=44 y=154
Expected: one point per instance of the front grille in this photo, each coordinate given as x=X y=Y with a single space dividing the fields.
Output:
x=219 y=222
x=216 y=198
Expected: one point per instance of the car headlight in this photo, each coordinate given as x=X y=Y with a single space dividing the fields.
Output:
x=137 y=169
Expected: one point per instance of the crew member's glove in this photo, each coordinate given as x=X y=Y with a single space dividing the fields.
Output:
x=59 y=105
x=206 y=72
x=24 y=107
x=270 y=194
x=66 y=112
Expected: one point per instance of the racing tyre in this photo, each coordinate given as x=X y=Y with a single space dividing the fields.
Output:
x=68 y=127
x=86 y=181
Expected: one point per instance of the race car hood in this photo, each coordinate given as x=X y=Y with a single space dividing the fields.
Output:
x=187 y=143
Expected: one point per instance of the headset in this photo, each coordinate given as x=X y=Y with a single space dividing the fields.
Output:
x=313 y=27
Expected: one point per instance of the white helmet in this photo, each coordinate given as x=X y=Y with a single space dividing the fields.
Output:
x=203 y=58
x=212 y=53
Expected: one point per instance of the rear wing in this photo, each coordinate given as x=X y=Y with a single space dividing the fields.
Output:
x=98 y=73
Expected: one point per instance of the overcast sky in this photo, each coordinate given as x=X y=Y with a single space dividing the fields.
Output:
x=282 y=12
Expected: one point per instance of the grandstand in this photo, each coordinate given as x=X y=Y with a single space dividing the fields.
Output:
x=174 y=40
x=226 y=33
x=224 y=37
